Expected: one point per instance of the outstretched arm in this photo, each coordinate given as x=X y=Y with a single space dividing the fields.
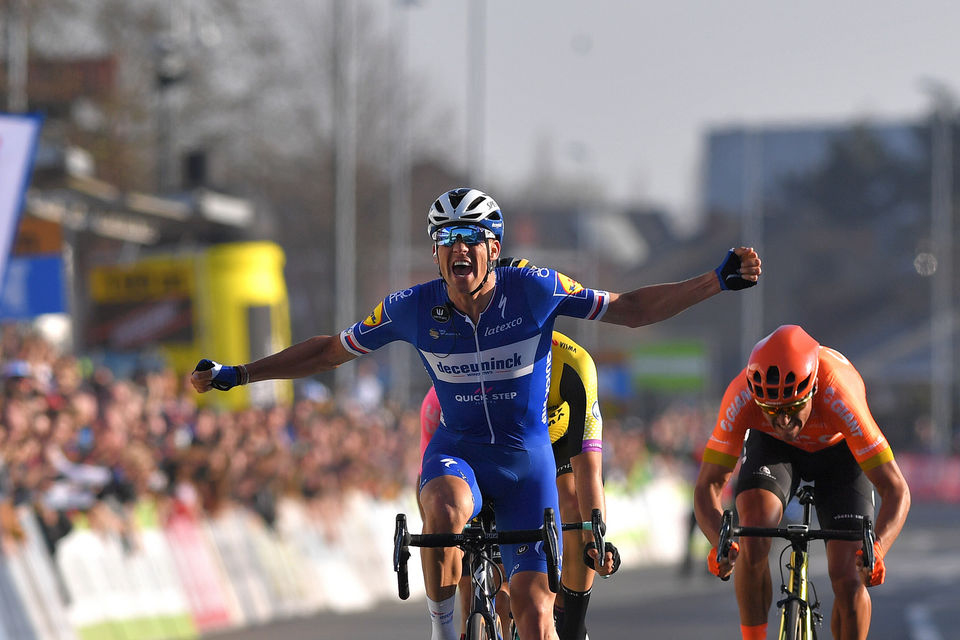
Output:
x=653 y=303
x=312 y=356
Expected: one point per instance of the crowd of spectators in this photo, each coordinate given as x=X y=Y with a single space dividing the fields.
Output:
x=77 y=441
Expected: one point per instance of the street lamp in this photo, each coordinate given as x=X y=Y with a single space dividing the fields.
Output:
x=941 y=233
x=476 y=90
x=171 y=69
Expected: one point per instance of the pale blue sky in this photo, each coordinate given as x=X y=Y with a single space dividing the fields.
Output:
x=625 y=90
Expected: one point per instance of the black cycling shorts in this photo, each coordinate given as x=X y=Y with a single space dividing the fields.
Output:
x=562 y=454
x=843 y=492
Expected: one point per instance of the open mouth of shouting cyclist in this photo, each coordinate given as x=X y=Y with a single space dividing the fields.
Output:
x=465 y=256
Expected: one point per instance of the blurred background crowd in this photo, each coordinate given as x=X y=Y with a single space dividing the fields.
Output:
x=82 y=446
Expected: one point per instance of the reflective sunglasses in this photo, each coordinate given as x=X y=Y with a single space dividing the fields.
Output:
x=789 y=410
x=469 y=235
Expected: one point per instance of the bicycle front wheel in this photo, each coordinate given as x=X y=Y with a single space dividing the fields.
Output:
x=791 y=622
x=479 y=628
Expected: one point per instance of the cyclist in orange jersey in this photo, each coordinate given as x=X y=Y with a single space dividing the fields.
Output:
x=798 y=412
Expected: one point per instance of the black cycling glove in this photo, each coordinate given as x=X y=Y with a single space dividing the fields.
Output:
x=224 y=377
x=608 y=548
x=729 y=273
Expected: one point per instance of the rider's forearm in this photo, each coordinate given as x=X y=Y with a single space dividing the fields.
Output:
x=894 y=505
x=657 y=302
x=588 y=477
x=312 y=356
x=708 y=509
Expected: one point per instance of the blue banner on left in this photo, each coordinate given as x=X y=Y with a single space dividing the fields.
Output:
x=18 y=144
x=33 y=285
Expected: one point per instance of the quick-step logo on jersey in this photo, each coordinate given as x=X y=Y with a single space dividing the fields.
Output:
x=489 y=393
x=501 y=363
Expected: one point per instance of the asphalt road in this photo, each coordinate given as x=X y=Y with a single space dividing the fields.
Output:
x=918 y=601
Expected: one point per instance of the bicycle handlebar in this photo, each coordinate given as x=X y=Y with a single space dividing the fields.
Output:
x=726 y=538
x=599 y=529
x=795 y=534
x=401 y=553
x=472 y=535
x=551 y=545
x=869 y=538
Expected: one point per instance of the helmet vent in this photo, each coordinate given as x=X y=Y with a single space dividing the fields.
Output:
x=803 y=385
x=788 y=384
x=457 y=196
x=476 y=202
x=438 y=206
x=773 y=380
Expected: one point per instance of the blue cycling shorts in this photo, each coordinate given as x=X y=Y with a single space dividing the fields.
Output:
x=519 y=483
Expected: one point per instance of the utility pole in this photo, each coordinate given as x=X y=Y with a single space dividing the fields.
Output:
x=400 y=361
x=752 y=232
x=476 y=91
x=17 y=56
x=345 y=203
x=942 y=348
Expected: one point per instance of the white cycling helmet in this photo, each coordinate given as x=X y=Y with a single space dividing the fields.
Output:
x=465 y=206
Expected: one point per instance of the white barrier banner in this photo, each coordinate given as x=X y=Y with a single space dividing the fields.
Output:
x=18 y=142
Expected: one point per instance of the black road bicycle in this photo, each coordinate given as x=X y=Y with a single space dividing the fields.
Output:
x=480 y=542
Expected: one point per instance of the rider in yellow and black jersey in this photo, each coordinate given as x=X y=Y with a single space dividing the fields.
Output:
x=573 y=411
x=576 y=431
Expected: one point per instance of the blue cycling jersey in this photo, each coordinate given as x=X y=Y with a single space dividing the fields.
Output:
x=492 y=379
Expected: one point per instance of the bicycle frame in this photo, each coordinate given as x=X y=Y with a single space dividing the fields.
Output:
x=486 y=576
x=805 y=612
x=799 y=617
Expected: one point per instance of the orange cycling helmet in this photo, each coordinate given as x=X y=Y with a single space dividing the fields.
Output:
x=783 y=366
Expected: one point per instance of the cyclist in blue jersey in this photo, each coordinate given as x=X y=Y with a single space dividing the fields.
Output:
x=483 y=334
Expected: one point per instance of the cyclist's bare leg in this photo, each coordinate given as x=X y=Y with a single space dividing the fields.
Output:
x=502 y=606
x=576 y=577
x=576 y=574
x=532 y=604
x=447 y=506
x=850 y=617
x=751 y=577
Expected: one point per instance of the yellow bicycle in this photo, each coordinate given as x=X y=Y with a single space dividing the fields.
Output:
x=799 y=612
